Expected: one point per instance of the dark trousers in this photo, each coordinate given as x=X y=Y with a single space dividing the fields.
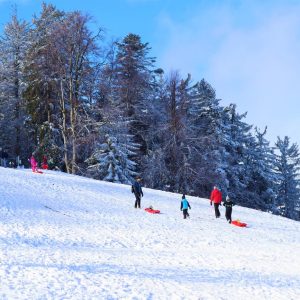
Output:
x=185 y=213
x=217 y=212
x=137 y=201
x=228 y=214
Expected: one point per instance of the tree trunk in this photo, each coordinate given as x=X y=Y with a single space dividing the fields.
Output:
x=64 y=128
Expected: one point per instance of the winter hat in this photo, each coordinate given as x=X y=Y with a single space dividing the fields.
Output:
x=227 y=198
x=183 y=196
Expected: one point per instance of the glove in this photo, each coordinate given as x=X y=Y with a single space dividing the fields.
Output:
x=210 y=202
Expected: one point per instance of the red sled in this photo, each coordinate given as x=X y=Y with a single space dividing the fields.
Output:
x=37 y=171
x=152 y=211
x=238 y=223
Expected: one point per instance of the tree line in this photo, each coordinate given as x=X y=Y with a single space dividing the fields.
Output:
x=106 y=111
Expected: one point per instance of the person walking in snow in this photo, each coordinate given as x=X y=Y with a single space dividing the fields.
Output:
x=216 y=198
x=184 y=206
x=228 y=204
x=33 y=163
x=136 y=188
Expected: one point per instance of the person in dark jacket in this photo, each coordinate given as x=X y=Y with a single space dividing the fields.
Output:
x=228 y=204
x=136 y=188
x=216 y=198
x=184 y=207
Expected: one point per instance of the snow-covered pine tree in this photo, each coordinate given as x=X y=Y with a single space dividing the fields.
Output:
x=287 y=166
x=258 y=177
x=112 y=160
x=237 y=141
x=42 y=90
x=13 y=48
x=48 y=144
x=262 y=177
x=204 y=120
x=133 y=85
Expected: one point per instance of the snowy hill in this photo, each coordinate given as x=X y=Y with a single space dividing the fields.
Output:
x=69 y=237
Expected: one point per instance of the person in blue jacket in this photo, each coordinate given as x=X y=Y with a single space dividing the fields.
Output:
x=184 y=207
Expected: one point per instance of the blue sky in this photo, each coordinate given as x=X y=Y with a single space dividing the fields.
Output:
x=247 y=49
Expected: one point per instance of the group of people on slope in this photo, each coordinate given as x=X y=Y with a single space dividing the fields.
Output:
x=215 y=198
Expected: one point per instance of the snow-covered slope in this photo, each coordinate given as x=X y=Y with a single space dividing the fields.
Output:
x=69 y=237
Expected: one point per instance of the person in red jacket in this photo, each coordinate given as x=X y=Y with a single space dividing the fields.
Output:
x=216 y=198
x=45 y=163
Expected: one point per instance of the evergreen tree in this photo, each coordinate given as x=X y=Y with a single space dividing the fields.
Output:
x=287 y=166
x=48 y=144
x=205 y=124
x=13 y=47
x=262 y=178
x=111 y=161
x=133 y=85
x=42 y=90
x=237 y=142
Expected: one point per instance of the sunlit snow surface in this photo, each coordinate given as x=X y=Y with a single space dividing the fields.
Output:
x=69 y=237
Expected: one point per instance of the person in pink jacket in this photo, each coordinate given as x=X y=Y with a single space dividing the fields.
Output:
x=216 y=198
x=33 y=164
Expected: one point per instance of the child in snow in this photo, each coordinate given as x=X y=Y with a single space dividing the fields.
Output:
x=45 y=163
x=33 y=164
x=228 y=204
x=184 y=207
